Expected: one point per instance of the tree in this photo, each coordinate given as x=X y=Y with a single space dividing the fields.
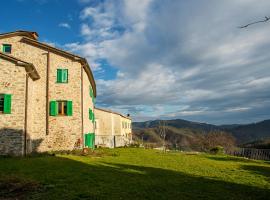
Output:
x=252 y=23
x=219 y=138
x=162 y=132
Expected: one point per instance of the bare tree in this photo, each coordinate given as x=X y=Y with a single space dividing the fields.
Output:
x=162 y=132
x=261 y=21
x=219 y=138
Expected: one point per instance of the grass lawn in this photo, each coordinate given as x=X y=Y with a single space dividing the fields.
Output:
x=134 y=174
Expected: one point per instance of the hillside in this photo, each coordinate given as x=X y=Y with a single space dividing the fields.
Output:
x=179 y=128
x=177 y=123
x=251 y=132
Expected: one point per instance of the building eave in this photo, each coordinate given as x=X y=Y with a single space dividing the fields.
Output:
x=113 y=112
x=29 y=34
x=29 y=67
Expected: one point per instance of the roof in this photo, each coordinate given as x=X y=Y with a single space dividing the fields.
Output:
x=110 y=111
x=29 y=34
x=29 y=67
x=83 y=61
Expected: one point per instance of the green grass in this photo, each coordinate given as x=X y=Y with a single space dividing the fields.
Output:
x=136 y=174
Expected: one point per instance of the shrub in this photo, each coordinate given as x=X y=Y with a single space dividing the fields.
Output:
x=134 y=145
x=217 y=150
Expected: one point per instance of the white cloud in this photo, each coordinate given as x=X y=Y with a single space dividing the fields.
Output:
x=180 y=53
x=64 y=25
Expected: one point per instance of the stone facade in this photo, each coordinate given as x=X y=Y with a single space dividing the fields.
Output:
x=12 y=81
x=42 y=132
x=112 y=129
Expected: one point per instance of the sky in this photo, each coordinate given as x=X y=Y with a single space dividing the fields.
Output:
x=162 y=59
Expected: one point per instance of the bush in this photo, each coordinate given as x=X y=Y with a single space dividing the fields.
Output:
x=217 y=150
x=134 y=145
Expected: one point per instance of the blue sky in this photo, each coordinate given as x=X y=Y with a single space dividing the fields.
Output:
x=159 y=59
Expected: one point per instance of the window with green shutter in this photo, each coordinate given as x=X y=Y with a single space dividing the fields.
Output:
x=6 y=48
x=62 y=76
x=5 y=103
x=61 y=108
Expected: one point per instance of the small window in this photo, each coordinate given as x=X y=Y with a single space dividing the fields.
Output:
x=1 y=103
x=62 y=107
x=62 y=75
x=7 y=48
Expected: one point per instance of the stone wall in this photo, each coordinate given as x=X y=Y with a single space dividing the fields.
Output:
x=65 y=132
x=12 y=81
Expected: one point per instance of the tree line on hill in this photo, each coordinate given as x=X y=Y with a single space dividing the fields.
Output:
x=186 y=135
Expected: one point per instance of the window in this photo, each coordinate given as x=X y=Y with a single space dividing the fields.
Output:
x=5 y=103
x=7 y=48
x=1 y=103
x=62 y=75
x=61 y=108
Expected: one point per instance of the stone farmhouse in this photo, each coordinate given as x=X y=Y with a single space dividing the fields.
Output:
x=112 y=129
x=47 y=97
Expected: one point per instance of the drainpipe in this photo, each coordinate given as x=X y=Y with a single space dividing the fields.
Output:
x=47 y=93
x=82 y=106
x=25 y=113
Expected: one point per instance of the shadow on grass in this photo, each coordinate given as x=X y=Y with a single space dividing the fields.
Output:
x=64 y=178
x=261 y=170
x=232 y=158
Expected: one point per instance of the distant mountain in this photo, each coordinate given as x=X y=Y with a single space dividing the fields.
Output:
x=177 y=123
x=251 y=132
x=242 y=133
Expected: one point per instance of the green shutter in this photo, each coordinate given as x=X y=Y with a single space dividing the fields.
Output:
x=90 y=114
x=92 y=140
x=7 y=103
x=93 y=118
x=59 y=75
x=69 y=108
x=85 y=140
x=91 y=91
x=64 y=75
x=53 y=108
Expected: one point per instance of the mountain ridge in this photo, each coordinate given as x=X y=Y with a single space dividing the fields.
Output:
x=243 y=133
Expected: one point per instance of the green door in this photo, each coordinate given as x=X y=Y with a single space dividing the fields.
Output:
x=89 y=140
